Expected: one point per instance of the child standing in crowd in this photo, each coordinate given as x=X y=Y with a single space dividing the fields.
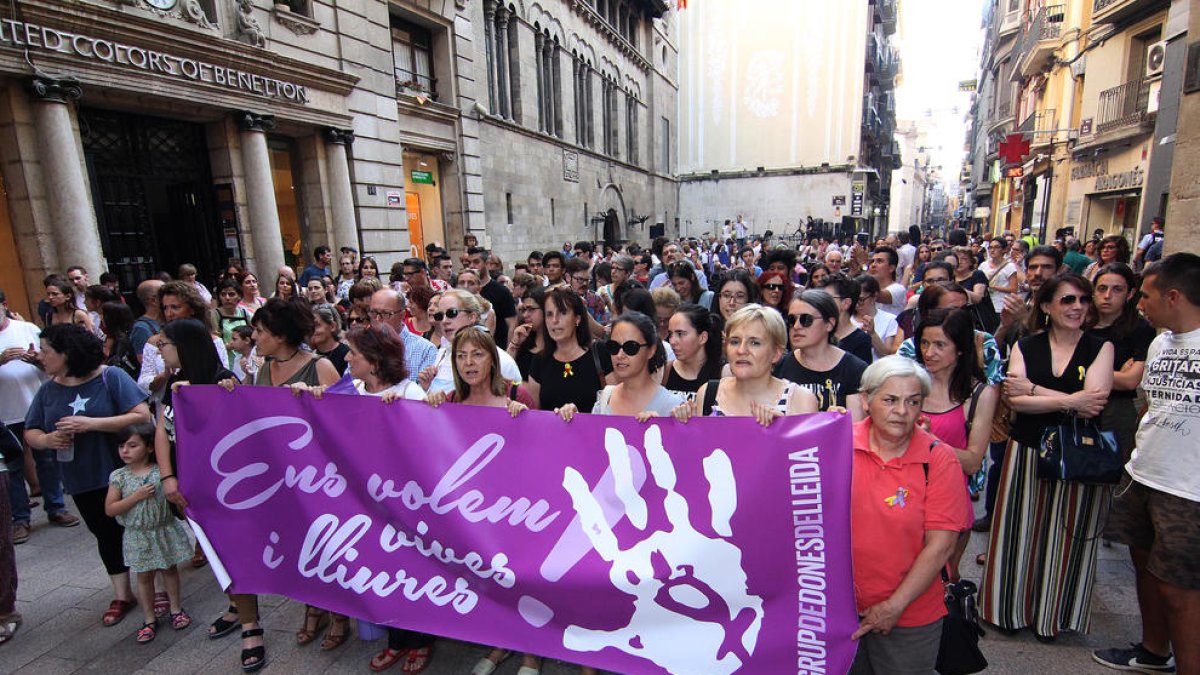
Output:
x=241 y=342
x=155 y=541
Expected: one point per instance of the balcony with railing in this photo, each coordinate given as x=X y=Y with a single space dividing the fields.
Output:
x=1040 y=39
x=889 y=67
x=1039 y=128
x=872 y=53
x=1123 y=106
x=1117 y=11
x=887 y=16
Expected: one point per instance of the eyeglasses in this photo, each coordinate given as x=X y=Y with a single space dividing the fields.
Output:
x=358 y=319
x=1068 y=300
x=448 y=314
x=382 y=314
x=772 y=287
x=735 y=297
x=580 y=280
x=165 y=343
x=805 y=320
x=935 y=249
x=630 y=347
x=531 y=308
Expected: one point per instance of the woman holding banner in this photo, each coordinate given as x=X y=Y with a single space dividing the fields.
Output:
x=280 y=326
x=906 y=508
x=477 y=381
x=572 y=369
x=755 y=339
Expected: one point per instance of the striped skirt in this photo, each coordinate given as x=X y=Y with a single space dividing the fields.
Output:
x=1041 y=561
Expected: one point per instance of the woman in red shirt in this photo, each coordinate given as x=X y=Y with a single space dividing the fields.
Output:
x=906 y=507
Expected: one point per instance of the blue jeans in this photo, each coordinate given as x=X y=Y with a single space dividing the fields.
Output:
x=49 y=475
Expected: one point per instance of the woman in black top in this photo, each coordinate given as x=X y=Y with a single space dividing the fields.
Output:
x=815 y=361
x=1041 y=561
x=116 y=320
x=851 y=339
x=695 y=337
x=571 y=369
x=1114 y=317
x=527 y=338
x=326 y=338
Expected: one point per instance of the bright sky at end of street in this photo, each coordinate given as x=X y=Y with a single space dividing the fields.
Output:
x=939 y=43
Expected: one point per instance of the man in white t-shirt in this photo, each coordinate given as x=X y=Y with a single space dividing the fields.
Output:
x=1157 y=514
x=20 y=378
x=892 y=295
x=908 y=250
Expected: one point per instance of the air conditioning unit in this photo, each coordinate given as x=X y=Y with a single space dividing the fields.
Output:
x=1156 y=57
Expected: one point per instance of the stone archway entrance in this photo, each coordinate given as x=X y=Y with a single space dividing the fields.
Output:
x=612 y=208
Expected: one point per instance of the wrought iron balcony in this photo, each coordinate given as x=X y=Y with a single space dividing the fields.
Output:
x=887 y=15
x=1040 y=39
x=1123 y=106
x=1116 y=11
x=1039 y=127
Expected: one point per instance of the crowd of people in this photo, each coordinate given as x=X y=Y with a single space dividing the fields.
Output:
x=952 y=356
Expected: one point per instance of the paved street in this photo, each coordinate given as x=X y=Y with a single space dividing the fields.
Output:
x=63 y=591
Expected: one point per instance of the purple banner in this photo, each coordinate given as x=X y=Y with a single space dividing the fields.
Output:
x=710 y=547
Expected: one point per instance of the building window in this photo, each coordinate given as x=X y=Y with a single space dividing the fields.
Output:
x=584 y=124
x=412 y=56
x=508 y=210
x=301 y=7
x=504 y=77
x=631 y=128
x=608 y=117
x=664 y=146
x=549 y=84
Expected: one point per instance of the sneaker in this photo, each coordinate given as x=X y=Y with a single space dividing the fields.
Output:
x=64 y=519
x=20 y=533
x=1135 y=659
x=983 y=524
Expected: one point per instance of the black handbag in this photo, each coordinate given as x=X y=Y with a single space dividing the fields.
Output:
x=959 y=653
x=1077 y=450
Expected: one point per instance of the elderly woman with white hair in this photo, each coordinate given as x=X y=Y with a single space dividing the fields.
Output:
x=906 y=506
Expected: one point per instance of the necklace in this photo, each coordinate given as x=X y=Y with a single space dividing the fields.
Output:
x=279 y=360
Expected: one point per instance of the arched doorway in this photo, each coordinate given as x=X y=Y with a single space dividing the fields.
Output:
x=612 y=208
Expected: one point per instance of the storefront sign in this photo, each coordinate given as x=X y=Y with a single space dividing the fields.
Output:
x=1096 y=167
x=604 y=542
x=856 y=198
x=1120 y=181
x=32 y=36
x=839 y=200
x=425 y=177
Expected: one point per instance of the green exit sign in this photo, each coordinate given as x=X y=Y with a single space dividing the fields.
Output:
x=425 y=177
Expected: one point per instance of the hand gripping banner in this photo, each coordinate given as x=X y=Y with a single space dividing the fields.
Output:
x=705 y=548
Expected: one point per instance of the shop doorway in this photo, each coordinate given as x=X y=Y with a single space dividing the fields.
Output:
x=287 y=203
x=153 y=194
x=423 y=201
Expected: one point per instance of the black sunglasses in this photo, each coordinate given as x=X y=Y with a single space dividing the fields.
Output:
x=772 y=287
x=805 y=320
x=448 y=314
x=1068 y=300
x=630 y=347
x=358 y=319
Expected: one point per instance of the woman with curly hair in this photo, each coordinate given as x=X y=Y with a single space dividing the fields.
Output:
x=775 y=290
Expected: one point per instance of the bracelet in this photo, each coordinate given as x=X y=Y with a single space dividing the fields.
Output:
x=162 y=478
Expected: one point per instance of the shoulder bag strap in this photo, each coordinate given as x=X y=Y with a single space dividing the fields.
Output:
x=971 y=407
x=710 y=397
x=599 y=368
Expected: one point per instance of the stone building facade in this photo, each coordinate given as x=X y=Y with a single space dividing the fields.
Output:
x=136 y=135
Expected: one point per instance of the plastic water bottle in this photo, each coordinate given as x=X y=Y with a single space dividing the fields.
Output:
x=66 y=454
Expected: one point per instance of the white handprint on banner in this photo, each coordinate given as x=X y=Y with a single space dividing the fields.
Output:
x=692 y=611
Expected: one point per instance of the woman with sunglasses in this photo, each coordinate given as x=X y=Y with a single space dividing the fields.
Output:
x=683 y=279
x=695 y=336
x=816 y=362
x=571 y=368
x=458 y=309
x=527 y=338
x=357 y=317
x=735 y=290
x=755 y=338
x=1041 y=561
x=1111 y=249
x=775 y=289
x=1114 y=317
x=637 y=361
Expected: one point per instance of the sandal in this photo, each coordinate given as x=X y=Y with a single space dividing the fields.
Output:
x=333 y=639
x=486 y=666
x=417 y=660
x=8 y=626
x=258 y=654
x=198 y=558
x=180 y=620
x=162 y=605
x=386 y=659
x=314 y=621
x=117 y=609
x=147 y=632
x=222 y=626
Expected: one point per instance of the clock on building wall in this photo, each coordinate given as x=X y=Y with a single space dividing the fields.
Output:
x=164 y=5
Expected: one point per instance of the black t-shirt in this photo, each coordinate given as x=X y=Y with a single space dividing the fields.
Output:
x=524 y=361
x=858 y=343
x=337 y=356
x=687 y=388
x=1028 y=428
x=831 y=387
x=504 y=306
x=1133 y=346
x=575 y=382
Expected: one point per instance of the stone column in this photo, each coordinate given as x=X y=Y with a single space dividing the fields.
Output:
x=502 y=88
x=260 y=195
x=489 y=29
x=68 y=194
x=543 y=91
x=341 y=195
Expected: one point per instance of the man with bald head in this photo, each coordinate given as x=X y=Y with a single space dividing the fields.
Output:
x=387 y=309
x=149 y=323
